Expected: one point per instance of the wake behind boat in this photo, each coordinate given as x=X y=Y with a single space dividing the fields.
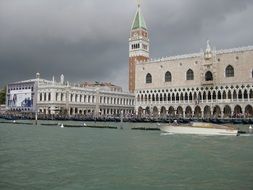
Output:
x=198 y=128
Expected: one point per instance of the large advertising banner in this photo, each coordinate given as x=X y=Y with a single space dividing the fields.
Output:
x=21 y=98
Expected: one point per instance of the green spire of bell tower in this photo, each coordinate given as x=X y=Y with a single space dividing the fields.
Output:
x=139 y=21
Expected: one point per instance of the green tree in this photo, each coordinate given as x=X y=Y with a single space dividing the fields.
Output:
x=2 y=95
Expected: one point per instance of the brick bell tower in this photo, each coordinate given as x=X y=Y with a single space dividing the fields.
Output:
x=138 y=46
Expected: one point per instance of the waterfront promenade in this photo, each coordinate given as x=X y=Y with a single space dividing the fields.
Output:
x=127 y=118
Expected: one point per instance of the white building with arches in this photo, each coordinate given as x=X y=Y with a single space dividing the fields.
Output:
x=52 y=97
x=207 y=84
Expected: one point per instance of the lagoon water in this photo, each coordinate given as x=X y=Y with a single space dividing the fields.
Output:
x=49 y=157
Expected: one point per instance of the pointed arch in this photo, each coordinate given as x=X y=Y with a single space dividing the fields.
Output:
x=209 y=76
x=161 y=97
x=217 y=111
x=245 y=94
x=177 y=96
x=186 y=96
x=188 y=111
x=237 y=111
x=149 y=97
x=197 y=112
x=199 y=96
x=219 y=95
x=190 y=96
x=209 y=97
x=190 y=75
x=163 y=111
x=249 y=111
x=195 y=96
x=164 y=97
x=169 y=97
x=204 y=95
x=181 y=96
x=157 y=97
x=153 y=97
x=240 y=94
x=171 y=111
x=251 y=94
x=168 y=77
x=155 y=111
x=207 y=112
x=234 y=95
x=224 y=95
x=173 y=97
x=180 y=111
x=227 y=111
x=229 y=71
x=148 y=78
x=229 y=95
x=214 y=95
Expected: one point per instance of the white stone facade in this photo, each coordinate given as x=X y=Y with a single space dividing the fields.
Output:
x=206 y=84
x=51 y=97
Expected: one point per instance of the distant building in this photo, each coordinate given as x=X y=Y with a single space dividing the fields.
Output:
x=51 y=97
x=211 y=83
x=102 y=85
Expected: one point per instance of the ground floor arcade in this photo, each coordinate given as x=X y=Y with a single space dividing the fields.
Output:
x=198 y=111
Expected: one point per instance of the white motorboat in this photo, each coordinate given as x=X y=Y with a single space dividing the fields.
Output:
x=198 y=128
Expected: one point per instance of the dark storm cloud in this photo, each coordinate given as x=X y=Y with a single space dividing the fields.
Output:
x=88 y=39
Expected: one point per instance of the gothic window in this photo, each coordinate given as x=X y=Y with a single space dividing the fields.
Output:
x=230 y=71
x=208 y=76
x=189 y=75
x=148 y=78
x=167 y=76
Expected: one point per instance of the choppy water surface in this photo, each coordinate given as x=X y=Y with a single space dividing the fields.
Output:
x=48 y=157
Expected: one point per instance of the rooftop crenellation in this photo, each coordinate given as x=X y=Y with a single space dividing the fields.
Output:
x=194 y=55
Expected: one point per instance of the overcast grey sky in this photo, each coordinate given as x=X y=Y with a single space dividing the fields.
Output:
x=87 y=40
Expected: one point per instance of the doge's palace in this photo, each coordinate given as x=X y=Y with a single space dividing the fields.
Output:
x=211 y=83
